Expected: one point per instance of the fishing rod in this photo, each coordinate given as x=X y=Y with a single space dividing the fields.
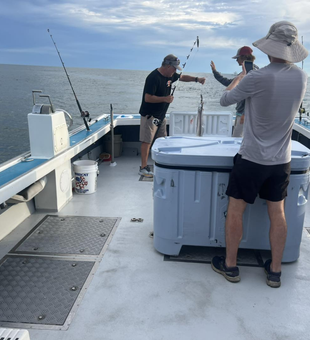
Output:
x=84 y=114
x=183 y=65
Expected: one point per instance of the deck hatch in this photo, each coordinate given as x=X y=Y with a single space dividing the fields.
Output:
x=36 y=290
x=44 y=278
x=67 y=235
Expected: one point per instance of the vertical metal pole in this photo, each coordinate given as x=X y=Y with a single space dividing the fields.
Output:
x=199 y=131
x=301 y=109
x=302 y=41
x=112 y=134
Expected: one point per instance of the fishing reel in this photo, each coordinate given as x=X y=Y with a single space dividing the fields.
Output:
x=85 y=114
x=302 y=110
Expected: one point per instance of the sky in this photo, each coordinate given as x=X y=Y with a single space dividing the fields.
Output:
x=137 y=34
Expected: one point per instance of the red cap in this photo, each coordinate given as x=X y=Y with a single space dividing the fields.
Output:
x=245 y=50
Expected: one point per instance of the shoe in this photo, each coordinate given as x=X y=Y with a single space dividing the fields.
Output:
x=146 y=171
x=230 y=273
x=273 y=279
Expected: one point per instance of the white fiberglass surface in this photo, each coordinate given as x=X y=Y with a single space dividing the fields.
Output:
x=135 y=294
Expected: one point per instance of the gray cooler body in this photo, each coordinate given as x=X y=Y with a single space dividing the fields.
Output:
x=190 y=180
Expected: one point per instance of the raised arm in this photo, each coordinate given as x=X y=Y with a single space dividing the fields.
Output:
x=188 y=79
x=223 y=80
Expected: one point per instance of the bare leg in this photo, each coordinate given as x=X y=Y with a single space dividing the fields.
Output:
x=233 y=229
x=277 y=234
x=145 y=149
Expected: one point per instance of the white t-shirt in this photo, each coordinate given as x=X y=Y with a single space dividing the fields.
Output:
x=273 y=95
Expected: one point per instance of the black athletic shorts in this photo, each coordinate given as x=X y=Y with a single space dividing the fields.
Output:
x=249 y=179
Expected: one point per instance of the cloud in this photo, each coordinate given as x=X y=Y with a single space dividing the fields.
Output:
x=31 y=50
x=98 y=15
x=127 y=26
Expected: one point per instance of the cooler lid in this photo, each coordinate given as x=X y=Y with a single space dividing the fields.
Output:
x=212 y=152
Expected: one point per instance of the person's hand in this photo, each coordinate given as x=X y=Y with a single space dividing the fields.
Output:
x=169 y=99
x=243 y=73
x=237 y=79
x=201 y=80
x=212 y=66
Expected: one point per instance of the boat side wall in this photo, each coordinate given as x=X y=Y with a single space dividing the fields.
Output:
x=13 y=216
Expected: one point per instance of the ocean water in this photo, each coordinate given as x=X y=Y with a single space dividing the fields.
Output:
x=96 y=89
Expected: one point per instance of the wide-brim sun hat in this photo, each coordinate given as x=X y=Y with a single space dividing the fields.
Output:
x=282 y=42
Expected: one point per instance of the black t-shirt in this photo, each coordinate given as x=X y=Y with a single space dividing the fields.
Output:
x=157 y=85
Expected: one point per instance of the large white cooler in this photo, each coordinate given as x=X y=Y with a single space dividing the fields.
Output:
x=190 y=180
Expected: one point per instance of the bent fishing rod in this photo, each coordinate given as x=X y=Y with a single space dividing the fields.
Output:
x=183 y=65
x=83 y=113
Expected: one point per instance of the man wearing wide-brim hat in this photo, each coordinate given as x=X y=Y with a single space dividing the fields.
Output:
x=273 y=96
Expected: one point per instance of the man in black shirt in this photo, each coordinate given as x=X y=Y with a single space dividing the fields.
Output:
x=155 y=102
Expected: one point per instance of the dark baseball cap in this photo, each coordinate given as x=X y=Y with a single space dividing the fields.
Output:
x=172 y=60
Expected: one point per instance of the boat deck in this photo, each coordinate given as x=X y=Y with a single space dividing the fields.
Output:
x=135 y=294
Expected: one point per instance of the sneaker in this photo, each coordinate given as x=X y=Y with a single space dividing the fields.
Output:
x=230 y=273
x=273 y=279
x=146 y=171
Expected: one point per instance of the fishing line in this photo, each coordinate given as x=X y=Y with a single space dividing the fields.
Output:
x=183 y=65
x=83 y=113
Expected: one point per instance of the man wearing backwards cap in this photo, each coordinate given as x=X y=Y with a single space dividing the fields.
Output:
x=262 y=166
x=155 y=102
x=244 y=53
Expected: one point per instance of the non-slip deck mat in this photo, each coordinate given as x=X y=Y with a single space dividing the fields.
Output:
x=40 y=290
x=67 y=235
x=147 y=179
x=246 y=257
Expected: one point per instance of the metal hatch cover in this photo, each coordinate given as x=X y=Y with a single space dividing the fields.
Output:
x=43 y=279
x=42 y=291
x=67 y=235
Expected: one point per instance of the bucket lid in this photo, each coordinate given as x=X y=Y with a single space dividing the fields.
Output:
x=85 y=163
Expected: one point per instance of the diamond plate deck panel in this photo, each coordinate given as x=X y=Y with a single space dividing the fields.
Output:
x=67 y=235
x=246 y=257
x=40 y=290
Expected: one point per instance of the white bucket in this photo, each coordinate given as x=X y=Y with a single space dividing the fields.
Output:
x=85 y=176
